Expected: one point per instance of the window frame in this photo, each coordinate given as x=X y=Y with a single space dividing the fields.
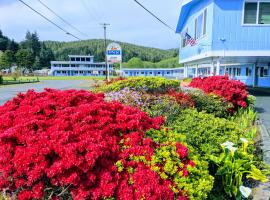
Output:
x=257 y=13
x=248 y=71
x=261 y=72
x=204 y=24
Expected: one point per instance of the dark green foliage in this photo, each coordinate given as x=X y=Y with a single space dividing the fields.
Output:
x=162 y=105
x=3 y=42
x=96 y=47
x=32 y=43
x=25 y=59
x=6 y=59
x=1 y=79
x=211 y=103
x=205 y=132
x=13 y=46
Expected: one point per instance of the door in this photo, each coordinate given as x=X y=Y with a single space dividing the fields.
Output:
x=256 y=76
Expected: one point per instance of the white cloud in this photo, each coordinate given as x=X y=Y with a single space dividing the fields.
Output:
x=128 y=21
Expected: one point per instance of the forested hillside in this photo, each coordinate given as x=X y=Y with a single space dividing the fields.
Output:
x=96 y=47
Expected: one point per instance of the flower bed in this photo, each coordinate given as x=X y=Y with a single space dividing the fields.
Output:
x=233 y=91
x=219 y=111
x=73 y=144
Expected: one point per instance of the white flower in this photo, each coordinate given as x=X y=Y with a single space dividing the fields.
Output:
x=245 y=191
x=227 y=144
x=232 y=149
x=244 y=140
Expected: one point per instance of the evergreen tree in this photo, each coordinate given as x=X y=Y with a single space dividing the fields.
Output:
x=45 y=58
x=3 y=42
x=6 y=59
x=32 y=43
x=13 y=46
x=25 y=59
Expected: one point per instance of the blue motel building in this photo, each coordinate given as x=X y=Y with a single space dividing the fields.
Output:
x=176 y=73
x=79 y=65
x=232 y=38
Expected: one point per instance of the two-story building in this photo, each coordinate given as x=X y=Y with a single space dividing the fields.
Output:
x=79 y=65
x=232 y=37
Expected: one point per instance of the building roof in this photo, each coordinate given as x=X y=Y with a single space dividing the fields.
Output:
x=185 y=8
x=80 y=56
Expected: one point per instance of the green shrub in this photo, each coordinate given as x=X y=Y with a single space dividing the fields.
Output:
x=245 y=118
x=1 y=79
x=199 y=183
x=162 y=105
x=251 y=100
x=211 y=104
x=146 y=84
x=205 y=132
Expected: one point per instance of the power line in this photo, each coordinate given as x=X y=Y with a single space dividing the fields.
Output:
x=49 y=20
x=151 y=13
x=87 y=9
x=66 y=22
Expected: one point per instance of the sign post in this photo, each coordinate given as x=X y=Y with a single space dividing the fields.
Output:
x=114 y=55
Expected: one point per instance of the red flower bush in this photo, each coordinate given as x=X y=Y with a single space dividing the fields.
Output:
x=183 y=99
x=77 y=141
x=233 y=91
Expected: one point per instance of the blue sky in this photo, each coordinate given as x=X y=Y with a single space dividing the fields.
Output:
x=129 y=22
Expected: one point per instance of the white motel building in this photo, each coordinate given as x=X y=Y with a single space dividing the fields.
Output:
x=79 y=65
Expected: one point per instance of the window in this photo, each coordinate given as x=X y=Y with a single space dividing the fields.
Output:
x=77 y=59
x=250 y=16
x=264 y=13
x=248 y=71
x=263 y=71
x=88 y=59
x=200 y=25
x=233 y=71
x=72 y=59
x=83 y=59
x=204 y=21
x=257 y=12
x=238 y=71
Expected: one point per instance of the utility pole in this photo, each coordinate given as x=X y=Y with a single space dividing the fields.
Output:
x=104 y=25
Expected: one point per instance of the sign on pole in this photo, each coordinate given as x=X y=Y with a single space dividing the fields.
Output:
x=114 y=53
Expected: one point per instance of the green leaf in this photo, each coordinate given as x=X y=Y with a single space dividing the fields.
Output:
x=256 y=174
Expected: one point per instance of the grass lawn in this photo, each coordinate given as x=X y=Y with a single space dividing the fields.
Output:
x=57 y=78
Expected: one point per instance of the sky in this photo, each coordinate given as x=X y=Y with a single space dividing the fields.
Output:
x=128 y=22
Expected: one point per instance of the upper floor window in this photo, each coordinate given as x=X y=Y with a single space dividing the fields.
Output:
x=257 y=12
x=200 y=25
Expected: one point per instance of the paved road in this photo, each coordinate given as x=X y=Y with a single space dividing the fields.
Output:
x=8 y=92
x=263 y=105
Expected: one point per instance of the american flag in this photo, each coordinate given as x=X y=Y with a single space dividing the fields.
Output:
x=189 y=40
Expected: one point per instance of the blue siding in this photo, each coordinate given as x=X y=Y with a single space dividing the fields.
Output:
x=204 y=43
x=228 y=18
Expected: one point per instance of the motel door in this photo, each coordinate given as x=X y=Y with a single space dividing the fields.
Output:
x=256 y=76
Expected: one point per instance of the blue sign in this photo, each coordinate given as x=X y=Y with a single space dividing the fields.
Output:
x=113 y=52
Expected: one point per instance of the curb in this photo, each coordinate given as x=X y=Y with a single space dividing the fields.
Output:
x=262 y=192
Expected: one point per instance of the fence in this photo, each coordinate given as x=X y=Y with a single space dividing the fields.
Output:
x=11 y=82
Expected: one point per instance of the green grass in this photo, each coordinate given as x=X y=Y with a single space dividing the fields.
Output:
x=57 y=78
